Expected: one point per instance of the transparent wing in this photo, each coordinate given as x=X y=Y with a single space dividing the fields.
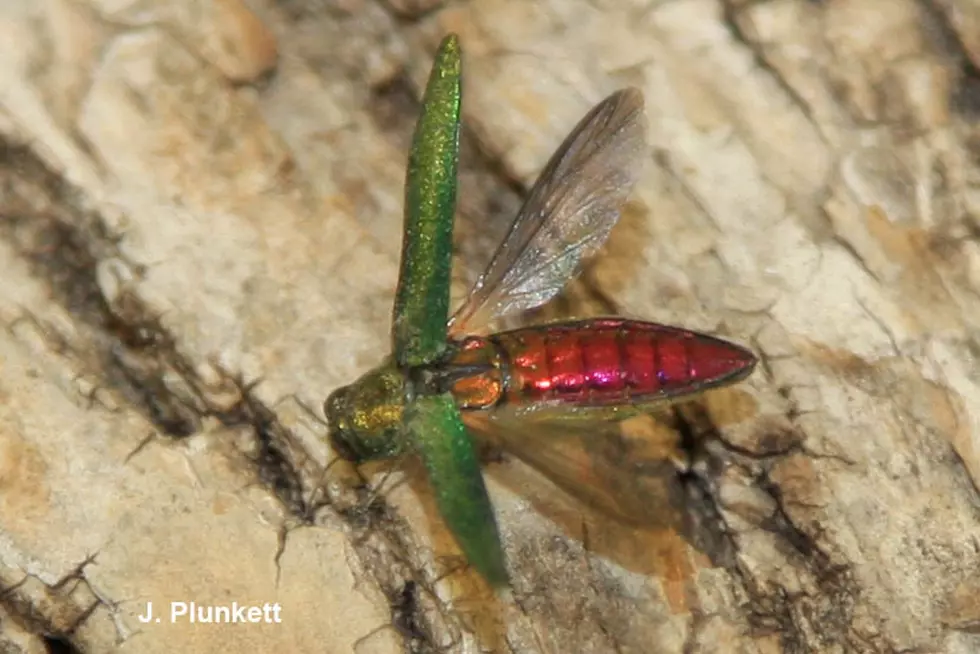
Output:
x=629 y=471
x=567 y=215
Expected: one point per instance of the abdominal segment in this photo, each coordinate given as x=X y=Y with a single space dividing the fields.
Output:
x=595 y=362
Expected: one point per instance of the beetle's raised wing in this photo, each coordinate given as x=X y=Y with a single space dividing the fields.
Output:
x=421 y=309
x=567 y=215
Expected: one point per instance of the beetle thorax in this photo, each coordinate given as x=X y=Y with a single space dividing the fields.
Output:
x=365 y=418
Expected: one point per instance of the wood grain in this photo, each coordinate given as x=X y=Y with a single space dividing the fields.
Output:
x=200 y=205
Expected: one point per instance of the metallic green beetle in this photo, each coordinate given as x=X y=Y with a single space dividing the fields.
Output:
x=552 y=394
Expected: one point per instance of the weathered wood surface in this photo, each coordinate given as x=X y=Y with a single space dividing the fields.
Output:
x=197 y=195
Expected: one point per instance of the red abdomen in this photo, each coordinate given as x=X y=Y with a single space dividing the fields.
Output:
x=610 y=360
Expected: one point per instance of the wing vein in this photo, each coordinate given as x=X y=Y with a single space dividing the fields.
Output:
x=575 y=201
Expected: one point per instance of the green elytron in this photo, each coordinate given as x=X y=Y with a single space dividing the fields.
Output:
x=552 y=394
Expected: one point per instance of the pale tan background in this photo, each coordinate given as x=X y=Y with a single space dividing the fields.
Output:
x=197 y=194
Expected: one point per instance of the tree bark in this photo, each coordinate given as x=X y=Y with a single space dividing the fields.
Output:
x=200 y=215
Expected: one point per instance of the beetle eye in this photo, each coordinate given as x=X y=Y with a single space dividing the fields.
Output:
x=338 y=424
x=341 y=445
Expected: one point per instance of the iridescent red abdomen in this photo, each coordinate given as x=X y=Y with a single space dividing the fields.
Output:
x=595 y=362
